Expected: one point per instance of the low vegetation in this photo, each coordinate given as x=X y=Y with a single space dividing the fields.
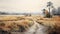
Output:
x=22 y=23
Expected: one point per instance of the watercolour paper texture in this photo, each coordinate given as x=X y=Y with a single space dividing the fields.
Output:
x=29 y=16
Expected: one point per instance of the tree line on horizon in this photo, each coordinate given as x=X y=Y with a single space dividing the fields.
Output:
x=56 y=11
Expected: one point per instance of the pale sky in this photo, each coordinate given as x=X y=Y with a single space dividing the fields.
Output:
x=30 y=6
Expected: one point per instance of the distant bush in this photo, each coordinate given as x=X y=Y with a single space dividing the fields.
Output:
x=2 y=24
x=48 y=15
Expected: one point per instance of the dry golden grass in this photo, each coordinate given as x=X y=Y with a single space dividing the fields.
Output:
x=14 y=22
x=26 y=21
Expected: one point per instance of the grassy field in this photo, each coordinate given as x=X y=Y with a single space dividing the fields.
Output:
x=10 y=23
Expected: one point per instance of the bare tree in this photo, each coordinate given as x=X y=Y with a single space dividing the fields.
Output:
x=49 y=5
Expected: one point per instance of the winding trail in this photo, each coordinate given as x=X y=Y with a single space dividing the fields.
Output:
x=35 y=29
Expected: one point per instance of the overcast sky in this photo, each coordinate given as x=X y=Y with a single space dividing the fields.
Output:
x=33 y=6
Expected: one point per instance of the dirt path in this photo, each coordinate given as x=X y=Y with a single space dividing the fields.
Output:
x=35 y=29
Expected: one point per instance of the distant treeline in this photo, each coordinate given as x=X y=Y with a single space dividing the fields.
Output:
x=56 y=11
x=7 y=13
x=53 y=12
